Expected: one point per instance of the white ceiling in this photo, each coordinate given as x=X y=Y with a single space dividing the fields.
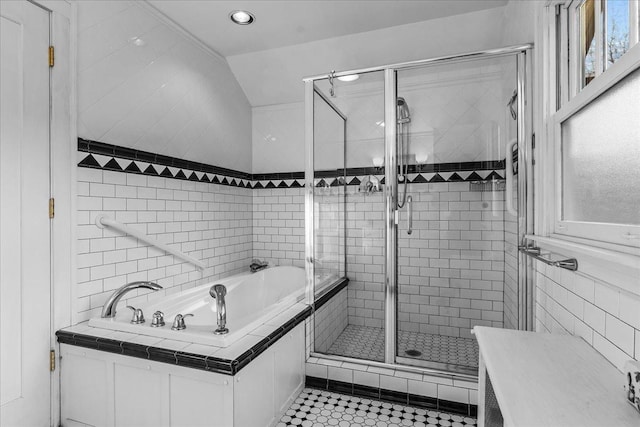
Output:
x=286 y=23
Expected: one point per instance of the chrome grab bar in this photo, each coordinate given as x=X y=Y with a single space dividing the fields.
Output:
x=535 y=252
x=409 y=215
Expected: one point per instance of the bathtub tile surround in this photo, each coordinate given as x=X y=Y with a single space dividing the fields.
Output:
x=320 y=408
x=181 y=353
x=211 y=223
x=100 y=155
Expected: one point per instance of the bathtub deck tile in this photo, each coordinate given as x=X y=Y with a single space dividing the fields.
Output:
x=172 y=345
x=288 y=315
x=80 y=328
x=262 y=331
x=145 y=340
x=239 y=347
x=100 y=333
x=123 y=336
x=202 y=349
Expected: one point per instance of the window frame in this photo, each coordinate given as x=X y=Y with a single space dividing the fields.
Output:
x=600 y=234
x=571 y=64
x=614 y=263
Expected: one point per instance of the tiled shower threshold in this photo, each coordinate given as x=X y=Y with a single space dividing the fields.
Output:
x=439 y=371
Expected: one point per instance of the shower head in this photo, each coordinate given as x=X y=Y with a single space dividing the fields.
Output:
x=402 y=111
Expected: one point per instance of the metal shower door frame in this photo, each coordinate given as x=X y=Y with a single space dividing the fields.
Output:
x=525 y=185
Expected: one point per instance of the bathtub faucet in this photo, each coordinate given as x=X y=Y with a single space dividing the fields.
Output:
x=257 y=265
x=218 y=292
x=109 y=308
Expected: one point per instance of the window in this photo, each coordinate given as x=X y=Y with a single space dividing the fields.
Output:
x=595 y=132
x=600 y=32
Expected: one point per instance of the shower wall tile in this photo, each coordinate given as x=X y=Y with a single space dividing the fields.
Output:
x=450 y=269
x=210 y=222
x=605 y=316
x=330 y=321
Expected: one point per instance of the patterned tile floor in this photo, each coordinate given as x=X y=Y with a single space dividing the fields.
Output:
x=315 y=408
x=364 y=342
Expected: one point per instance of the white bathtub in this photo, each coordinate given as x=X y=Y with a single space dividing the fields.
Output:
x=252 y=300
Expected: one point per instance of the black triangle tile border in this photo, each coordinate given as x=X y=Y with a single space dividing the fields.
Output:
x=186 y=170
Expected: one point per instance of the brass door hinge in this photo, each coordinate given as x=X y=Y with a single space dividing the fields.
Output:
x=51 y=56
x=52 y=207
x=52 y=360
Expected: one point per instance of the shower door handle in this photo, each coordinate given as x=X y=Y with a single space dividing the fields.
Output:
x=409 y=215
x=509 y=178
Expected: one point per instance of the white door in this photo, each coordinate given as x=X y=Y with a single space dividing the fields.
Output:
x=24 y=221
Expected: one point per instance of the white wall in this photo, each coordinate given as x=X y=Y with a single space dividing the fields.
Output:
x=167 y=95
x=518 y=26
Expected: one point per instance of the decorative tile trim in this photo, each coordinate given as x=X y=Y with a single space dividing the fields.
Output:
x=100 y=155
x=335 y=288
x=181 y=358
x=392 y=396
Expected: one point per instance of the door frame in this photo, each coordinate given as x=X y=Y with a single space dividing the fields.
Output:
x=62 y=175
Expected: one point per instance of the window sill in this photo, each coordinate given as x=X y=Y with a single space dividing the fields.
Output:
x=616 y=268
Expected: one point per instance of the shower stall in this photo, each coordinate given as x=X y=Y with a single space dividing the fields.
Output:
x=414 y=194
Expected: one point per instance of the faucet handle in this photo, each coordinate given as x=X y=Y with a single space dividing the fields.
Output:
x=157 y=320
x=138 y=315
x=178 y=322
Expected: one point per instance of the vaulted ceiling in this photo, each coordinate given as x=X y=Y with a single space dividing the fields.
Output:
x=288 y=38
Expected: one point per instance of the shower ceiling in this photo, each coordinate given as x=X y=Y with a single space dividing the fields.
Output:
x=285 y=23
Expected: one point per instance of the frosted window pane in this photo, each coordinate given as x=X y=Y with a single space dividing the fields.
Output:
x=601 y=157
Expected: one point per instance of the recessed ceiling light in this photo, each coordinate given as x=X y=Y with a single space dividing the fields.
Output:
x=242 y=17
x=349 y=78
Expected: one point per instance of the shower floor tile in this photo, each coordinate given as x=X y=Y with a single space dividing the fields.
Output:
x=364 y=342
x=315 y=408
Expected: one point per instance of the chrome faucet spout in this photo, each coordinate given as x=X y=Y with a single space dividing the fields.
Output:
x=109 y=308
x=257 y=265
x=218 y=293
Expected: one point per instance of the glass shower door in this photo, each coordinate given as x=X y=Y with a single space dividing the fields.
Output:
x=457 y=268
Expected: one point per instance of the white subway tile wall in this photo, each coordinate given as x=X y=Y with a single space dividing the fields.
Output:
x=330 y=321
x=210 y=222
x=278 y=225
x=450 y=269
x=606 y=317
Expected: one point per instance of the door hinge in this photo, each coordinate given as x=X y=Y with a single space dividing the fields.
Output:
x=52 y=360
x=51 y=56
x=52 y=207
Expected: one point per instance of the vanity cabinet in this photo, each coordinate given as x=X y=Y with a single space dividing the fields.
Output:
x=541 y=379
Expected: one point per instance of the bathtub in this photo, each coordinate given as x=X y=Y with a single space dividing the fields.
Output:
x=252 y=299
